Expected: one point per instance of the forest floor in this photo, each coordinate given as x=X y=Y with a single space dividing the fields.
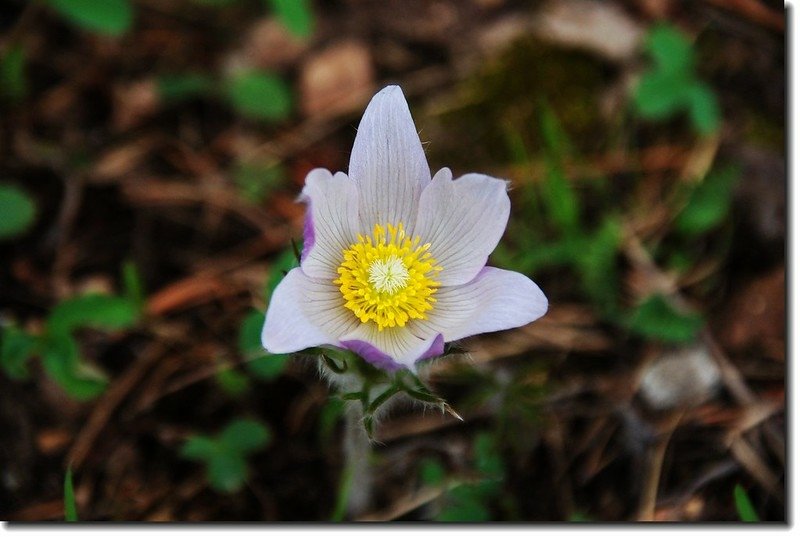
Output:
x=653 y=389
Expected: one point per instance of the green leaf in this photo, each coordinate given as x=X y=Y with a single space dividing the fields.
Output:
x=703 y=108
x=256 y=181
x=227 y=472
x=656 y=319
x=233 y=382
x=259 y=95
x=744 y=507
x=296 y=15
x=13 y=85
x=61 y=362
x=560 y=200
x=17 y=211
x=244 y=436
x=70 y=508
x=268 y=367
x=95 y=311
x=216 y=3
x=177 y=88
x=709 y=203
x=250 y=335
x=464 y=504
x=555 y=139
x=199 y=448
x=432 y=472
x=16 y=346
x=259 y=362
x=558 y=195
x=224 y=456
x=487 y=460
x=661 y=94
x=132 y=285
x=671 y=49
x=597 y=263
x=112 y=17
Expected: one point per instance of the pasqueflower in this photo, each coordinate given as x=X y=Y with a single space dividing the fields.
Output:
x=394 y=262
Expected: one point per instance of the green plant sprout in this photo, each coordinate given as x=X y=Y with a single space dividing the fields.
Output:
x=589 y=249
x=257 y=362
x=232 y=382
x=568 y=238
x=110 y=17
x=255 y=94
x=70 y=507
x=115 y=17
x=744 y=507
x=468 y=500
x=671 y=86
x=656 y=319
x=13 y=85
x=295 y=15
x=256 y=180
x=225 y=455
x=18 y=211
x=57 y=346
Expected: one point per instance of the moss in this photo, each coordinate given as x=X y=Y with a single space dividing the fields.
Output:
x=506 y=95
x=764 y=131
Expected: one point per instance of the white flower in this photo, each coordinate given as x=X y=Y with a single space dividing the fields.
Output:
x=394 y=262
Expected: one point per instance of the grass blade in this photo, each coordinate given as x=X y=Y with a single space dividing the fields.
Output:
x=70 y=509
x=747 y=513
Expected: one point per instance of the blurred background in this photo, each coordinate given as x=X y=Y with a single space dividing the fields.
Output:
x=150 y=155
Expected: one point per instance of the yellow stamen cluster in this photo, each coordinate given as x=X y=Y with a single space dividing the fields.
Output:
x=388 y=278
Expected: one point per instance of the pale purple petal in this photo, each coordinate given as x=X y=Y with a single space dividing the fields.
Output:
x=463 y=221
x=436 y=348
x=388 y=162
x=372 y=355
x=396 y=345
x=305 y=312
x=309 y=238
x=495 y=300
x=383 y=361
x=331 y=221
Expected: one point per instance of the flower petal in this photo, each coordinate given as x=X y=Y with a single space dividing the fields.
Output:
x=388 y=162
x=495 y=300
x=331 y=221
x=462 y=220
x=305 y=312
x=392 y=348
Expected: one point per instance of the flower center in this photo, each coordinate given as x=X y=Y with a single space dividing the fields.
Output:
x=388 y=275
x=388 y=278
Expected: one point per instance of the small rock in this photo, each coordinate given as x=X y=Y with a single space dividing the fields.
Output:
x=682 y=377
x=269 y=45
x=600 y=27
x=337 y=80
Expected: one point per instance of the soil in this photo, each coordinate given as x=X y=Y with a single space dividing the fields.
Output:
x=119 y=174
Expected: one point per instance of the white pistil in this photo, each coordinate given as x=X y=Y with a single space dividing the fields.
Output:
x=388 y=275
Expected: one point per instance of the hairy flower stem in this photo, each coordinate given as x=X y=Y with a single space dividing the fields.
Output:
x=357 y=452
